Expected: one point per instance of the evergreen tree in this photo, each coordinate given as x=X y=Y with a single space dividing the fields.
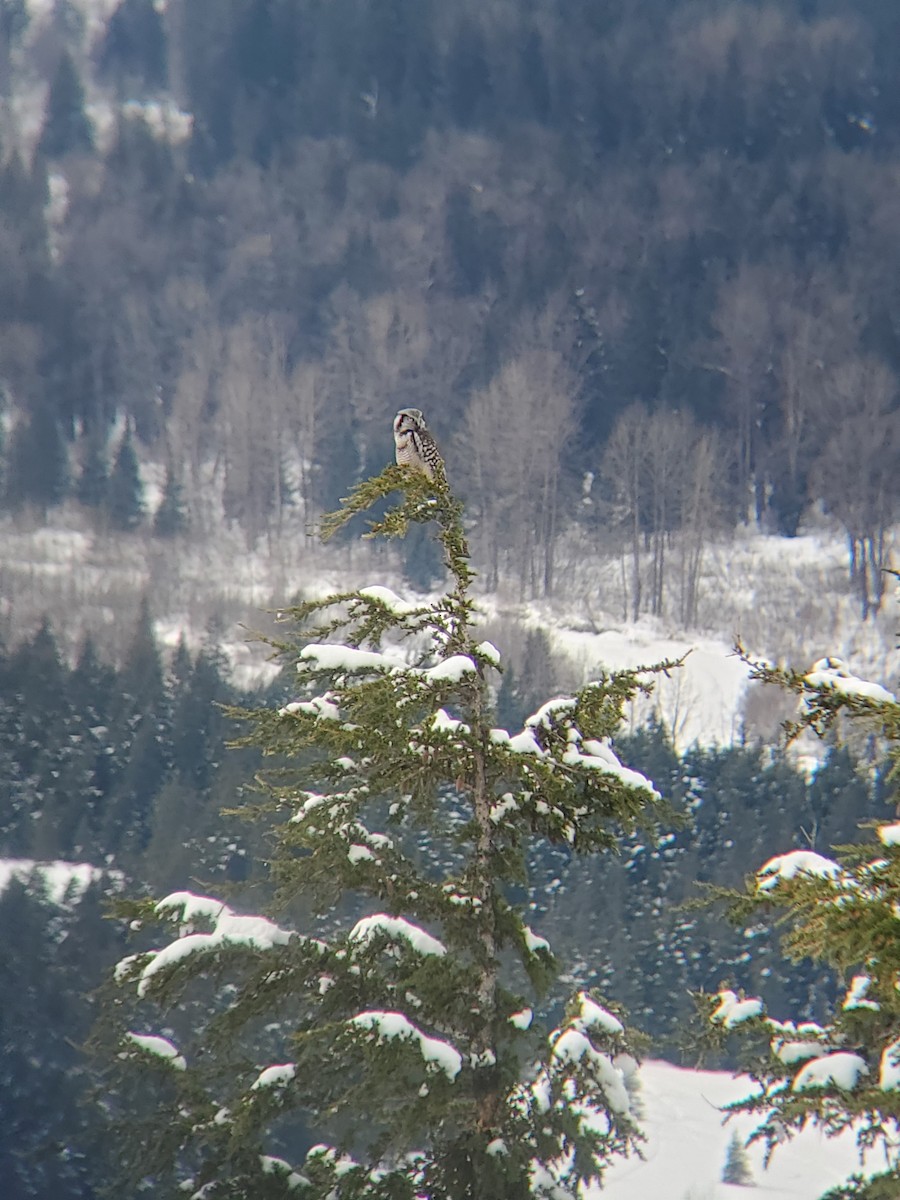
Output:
x=140 y=732
x=67 y=129
x=403 y=1034
x=737 y=1164
x=133 y=51
x=38 y=462
x=843 y=1072
x=92 y=486
x=125 y=495
x=170 y=518
x=54 y=952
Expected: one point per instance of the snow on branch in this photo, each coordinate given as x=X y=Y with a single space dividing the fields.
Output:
x=278 y=1075
x=599 y=756
x=590 y=1013
x=733 y=1009
x=388 y=1026
x=329 y=656
x=229 y=929
x=396 y=929
x=842 y=1070
x=833 y=673
x=798 y=862
x=158 y=1047
x=388 y=598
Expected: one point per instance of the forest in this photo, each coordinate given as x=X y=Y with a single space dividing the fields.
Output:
x=127 y=768
x=235 y=238
x=637 y=262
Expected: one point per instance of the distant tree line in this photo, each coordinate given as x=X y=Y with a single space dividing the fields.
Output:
x=117 y=765
x=650 y=241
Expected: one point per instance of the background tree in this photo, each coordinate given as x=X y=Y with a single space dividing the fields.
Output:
x=737 y=1165
x=124 y=500
x=38 y=463
x=67 y=129
x=856 y=471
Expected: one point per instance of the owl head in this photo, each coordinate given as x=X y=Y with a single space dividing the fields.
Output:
x=408 y=419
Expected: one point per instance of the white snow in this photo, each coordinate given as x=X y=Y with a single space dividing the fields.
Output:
x=522 y=1019
x=687 y=1144
x=599 y=756
x=322 y=708
x=450 y=670
x=438 y=1055
x=278 y=1075
x=358 y=854
x=60 y=881
x=833 y=673
x=795 y=1052
x=388 y=598
x=797 y=862
x=523 y=743
x=842 y=1069
x=889 y=835
x=506 y=804
x=230 y=929
x=543 y=718
x=277 y=1166
x=733 y=1009
x=856 y=994
x=573 y=1047
x=534 y=941
x=889 y=1075
x=192 y=908
x=489 y=652
x=160 y=1047
x=327 y=656
x=442 y=722
x=591 y=1013
x=396 y=928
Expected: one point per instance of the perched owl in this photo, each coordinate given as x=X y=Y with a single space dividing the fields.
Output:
x=413 y=444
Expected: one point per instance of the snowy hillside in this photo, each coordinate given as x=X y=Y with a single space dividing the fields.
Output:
x=785 y=599
x=687 y=1146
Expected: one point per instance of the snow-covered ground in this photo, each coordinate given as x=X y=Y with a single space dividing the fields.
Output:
x=786 y=599
x=687 y=1146
x=61 y=882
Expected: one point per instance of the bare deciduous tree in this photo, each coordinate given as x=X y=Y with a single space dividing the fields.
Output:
x=511 y=455
x=856 y=473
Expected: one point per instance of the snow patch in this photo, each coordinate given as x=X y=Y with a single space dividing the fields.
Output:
x=797 y=862
x=396 y=929
x=386 y=1026
x=733 y=1009
x=842 y=1069
x=159 y=1047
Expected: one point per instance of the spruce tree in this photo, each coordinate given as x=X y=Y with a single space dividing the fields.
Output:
x=737 y=1165
x=396 y=1043
x=842 y=1073
x=92 y=486
x=125 y=493
x=37 y=465
x=170 y=518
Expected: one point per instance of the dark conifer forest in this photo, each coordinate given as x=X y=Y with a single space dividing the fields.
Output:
x=645 y=250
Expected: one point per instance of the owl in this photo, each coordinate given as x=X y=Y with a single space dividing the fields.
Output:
x=413 y=444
